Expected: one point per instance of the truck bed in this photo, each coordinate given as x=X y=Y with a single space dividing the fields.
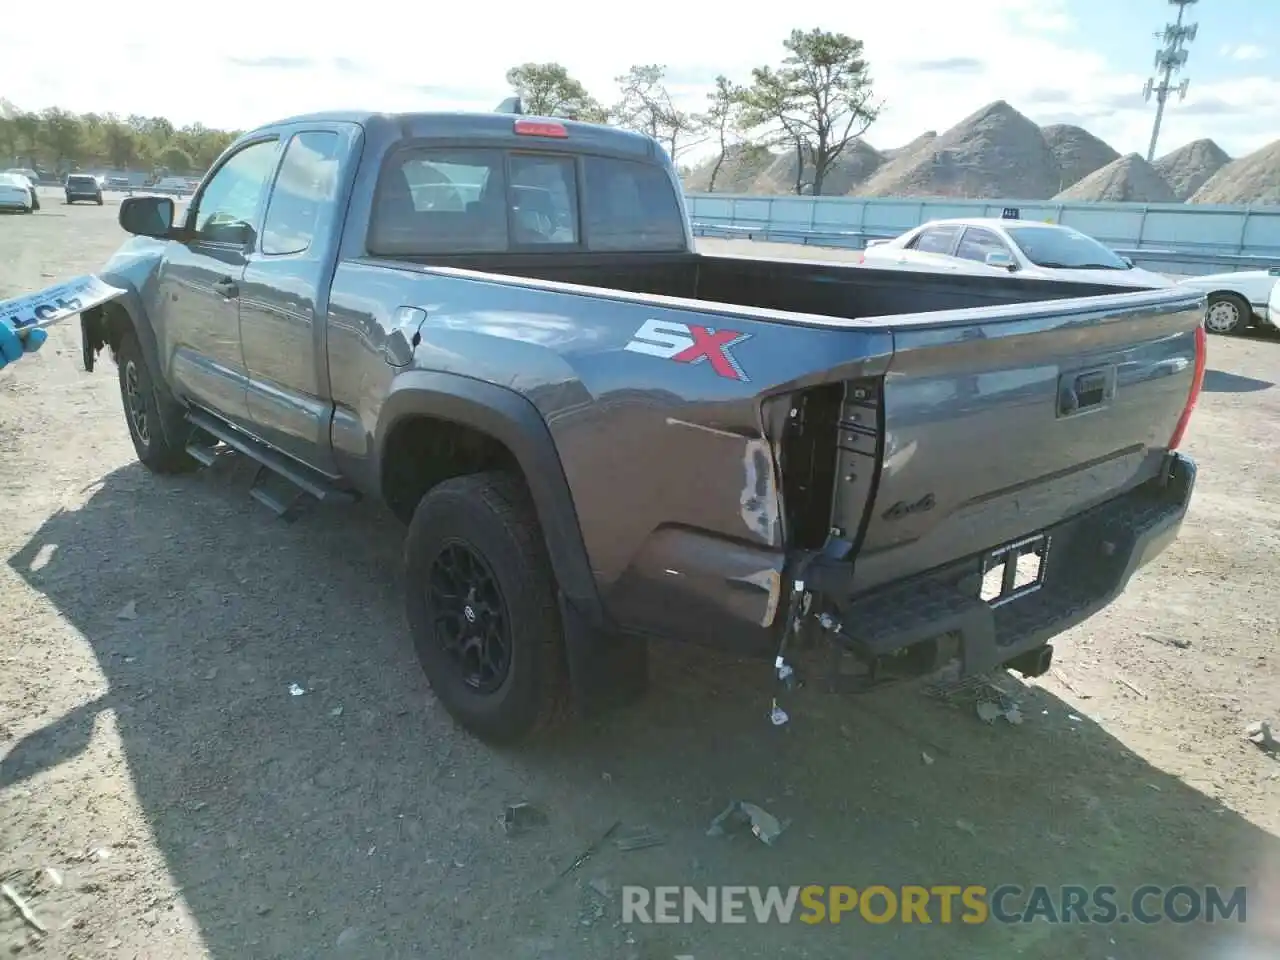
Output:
x=904 y=422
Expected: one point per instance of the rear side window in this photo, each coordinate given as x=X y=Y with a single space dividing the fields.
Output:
x=442 y=201
x=977 y=243
x=630 y=206
x=936 y=240
x=304 y=189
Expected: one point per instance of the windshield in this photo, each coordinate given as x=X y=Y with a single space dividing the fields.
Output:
x=1064 y=248
x=11 y=180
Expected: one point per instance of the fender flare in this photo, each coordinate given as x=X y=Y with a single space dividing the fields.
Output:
x=514 y=421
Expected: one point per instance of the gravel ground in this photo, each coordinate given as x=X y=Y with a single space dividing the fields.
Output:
x=163 y=795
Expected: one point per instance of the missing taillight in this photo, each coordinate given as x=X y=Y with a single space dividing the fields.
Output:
x=1197 y=382
x=541 y=128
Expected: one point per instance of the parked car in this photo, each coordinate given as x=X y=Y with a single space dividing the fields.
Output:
x=1028 y=248
x=1238 y=300
x=119 y=183
x=83 y=186
x=595 y=433
x=17 y=193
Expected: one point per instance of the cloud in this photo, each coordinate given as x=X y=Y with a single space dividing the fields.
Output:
x=272 y=62
x=952 y=65
x=1243 y=51
x=953 y=60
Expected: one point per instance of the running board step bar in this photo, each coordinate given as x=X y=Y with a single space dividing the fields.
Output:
x=302 y=482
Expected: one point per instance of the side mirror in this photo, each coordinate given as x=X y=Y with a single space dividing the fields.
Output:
x=147 y=216
x=1127 y=262
x=1274 y=272
x=1000 y=259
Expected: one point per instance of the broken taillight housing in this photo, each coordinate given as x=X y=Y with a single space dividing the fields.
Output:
x=1197 y=382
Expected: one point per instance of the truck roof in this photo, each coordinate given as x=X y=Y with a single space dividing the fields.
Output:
x=464 y=125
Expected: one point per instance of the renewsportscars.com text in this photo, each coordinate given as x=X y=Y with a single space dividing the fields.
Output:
x=941 y=904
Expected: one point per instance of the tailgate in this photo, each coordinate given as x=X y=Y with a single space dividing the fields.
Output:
x=1001 y=422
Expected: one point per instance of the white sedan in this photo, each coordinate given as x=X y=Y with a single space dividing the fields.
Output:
x=1026 y=248
x=1238 y=300
x=16 y=193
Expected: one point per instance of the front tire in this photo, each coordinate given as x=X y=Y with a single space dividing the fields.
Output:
x=157 y=424
x=482 y=605
x=1227 y=313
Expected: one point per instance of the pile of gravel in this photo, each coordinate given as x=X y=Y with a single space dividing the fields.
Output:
x=995 y=152
x=1188 y=168
x=1077 y=151
x=1129 y=178
x=743 y=166
x=916 y=145
x=1251 y=179
x=856 y=163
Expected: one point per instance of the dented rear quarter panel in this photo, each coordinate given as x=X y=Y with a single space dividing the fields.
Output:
x=672 y=476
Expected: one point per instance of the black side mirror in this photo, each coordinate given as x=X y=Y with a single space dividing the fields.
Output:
x=147 y=216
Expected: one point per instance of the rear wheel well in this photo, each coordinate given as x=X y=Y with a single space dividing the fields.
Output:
x=422 y=451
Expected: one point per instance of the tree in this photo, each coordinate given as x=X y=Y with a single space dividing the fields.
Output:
x=767 y=108
x=176 y=160
x=547 y=90
x=646 y=106
x=723 y=119
x=63 y=135
x=820 y=99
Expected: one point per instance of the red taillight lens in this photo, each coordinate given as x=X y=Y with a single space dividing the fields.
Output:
x=541 y=128
x=1197 y=381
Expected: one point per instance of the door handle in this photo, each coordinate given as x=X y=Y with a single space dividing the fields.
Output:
x=227 y=287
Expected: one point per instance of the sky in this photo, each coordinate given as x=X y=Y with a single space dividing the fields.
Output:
x=237 y=64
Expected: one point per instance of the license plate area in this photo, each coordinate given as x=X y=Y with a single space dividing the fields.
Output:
x=1014 y=570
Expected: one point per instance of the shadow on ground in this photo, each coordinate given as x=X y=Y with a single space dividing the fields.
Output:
x=355 y=820
x=1219 y=381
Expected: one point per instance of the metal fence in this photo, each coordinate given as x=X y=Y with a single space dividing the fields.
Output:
x=1167 y=237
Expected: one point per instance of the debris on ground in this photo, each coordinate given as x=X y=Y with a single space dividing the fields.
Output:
x=586 y=854
x=766 y=827
x=1178 y=643
x=988 y=710
x=1071 y=688
x=295 y=690
x=1126 y=683
x=967 y=827
x=128 y=612
x=928 y=760
x=638 y=838
x=336 y=711
x=519 y=817
x=23 y=908
x=1259 y=733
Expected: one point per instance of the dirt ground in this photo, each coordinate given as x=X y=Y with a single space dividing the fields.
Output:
x=163 y=795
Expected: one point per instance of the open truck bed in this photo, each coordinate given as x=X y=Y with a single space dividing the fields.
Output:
x=874 y=440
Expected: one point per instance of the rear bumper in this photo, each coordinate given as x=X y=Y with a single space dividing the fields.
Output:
x=1091 y=559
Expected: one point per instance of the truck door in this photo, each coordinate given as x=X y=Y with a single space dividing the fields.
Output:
x=197 y=300
x=286 y=295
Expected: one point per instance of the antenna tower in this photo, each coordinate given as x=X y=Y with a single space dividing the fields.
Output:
x=1169 y=60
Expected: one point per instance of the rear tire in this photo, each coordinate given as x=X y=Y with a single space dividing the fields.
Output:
x=157 y=422
x=1227 y=313
x=482 y=605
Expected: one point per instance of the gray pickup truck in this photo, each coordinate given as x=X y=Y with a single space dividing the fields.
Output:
x=499 y=326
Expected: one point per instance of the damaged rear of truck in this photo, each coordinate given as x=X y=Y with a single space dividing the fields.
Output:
x=909 y=492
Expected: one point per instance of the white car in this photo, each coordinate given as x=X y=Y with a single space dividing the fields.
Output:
x=1026 y=248
x=1239 y=300
x=16 y=193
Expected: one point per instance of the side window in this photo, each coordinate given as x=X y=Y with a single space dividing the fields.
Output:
x=977 y=243
x=440 y=201
x=226 y=208
x=544 y=192
x=305 y=187
x=630 y=206
x=936 y=240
